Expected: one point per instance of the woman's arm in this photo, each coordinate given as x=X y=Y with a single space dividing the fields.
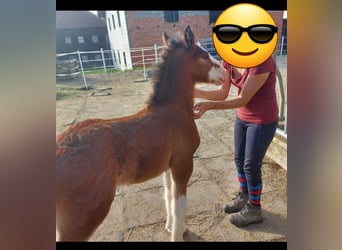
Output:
x=252 y=85
x=215 y=95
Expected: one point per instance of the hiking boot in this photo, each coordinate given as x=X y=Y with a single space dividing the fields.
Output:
x=239 y=201
x=248 y=215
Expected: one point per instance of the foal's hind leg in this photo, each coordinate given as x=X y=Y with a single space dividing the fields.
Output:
x=77 y=222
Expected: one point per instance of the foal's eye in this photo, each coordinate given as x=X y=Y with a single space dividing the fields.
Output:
x=206 y=56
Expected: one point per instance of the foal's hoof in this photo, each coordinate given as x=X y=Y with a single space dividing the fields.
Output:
x=185 y=229
x=169 y=229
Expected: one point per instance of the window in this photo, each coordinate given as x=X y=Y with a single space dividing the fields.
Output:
x=94 y=39
x=119 y=22
x=84 y=58
x=110 y=27
x=171 y=16
x=80 y=39
x=114 y=53
x=68 y=40
x=98 y=57
x=119 y=57
x=124 y=57
x=113 y=22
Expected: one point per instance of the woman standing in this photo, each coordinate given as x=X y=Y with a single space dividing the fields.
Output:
x=255 y=126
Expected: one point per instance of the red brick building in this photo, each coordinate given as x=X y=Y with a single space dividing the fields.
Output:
x=141 y=28
x=146 y=29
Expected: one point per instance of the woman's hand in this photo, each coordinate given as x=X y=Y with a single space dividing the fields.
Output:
x=200 y=108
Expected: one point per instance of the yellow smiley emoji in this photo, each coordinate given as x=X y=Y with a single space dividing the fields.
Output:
x=245 y=35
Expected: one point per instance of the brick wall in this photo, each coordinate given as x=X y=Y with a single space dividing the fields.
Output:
x=145 y=28
x=145 y=31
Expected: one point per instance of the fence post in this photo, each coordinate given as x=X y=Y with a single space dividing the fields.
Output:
x=285 y=124
x=113 y=57
x=84 y=79
x=281 y=45
x=156 y=52
x=143 y=61
x=103 y=61
x=282 y=94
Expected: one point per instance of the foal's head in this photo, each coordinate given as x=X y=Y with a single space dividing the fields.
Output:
x=183 y=64
x=193 y=59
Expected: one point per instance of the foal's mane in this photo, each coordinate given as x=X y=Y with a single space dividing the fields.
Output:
x=163 y=73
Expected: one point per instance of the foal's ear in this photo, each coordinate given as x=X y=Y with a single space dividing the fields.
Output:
x=189 y=37
x=166 y=39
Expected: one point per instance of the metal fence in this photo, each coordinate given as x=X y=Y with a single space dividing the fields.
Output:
x=136 y=58
x=145 y=58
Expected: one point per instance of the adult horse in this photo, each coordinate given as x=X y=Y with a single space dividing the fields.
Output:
x=95 y=156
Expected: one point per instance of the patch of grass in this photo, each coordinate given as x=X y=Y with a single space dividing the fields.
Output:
x=65 y=91
x=100 y=71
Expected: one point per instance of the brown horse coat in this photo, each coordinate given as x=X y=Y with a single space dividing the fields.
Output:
x=95 y=156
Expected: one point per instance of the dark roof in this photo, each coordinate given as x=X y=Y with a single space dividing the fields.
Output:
x=77 y=19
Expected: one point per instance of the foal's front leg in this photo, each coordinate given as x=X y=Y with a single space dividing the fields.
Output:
x=171 y=205
x=178 y=210
x=181 y=174
x=168 y=199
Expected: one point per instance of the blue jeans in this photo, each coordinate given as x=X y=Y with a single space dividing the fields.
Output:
x=251 y=142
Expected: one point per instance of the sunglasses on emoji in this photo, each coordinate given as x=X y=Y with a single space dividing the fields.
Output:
x=259 y=33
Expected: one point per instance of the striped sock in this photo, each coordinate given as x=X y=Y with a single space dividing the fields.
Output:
x=255 y=194
x=243 y=182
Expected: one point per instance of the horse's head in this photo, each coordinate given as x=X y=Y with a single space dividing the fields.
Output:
x=183 y=63
x=199 y=63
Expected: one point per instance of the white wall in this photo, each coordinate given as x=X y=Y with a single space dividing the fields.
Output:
x=118 y=38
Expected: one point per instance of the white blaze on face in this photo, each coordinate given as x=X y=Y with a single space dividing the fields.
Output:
x=217 y=73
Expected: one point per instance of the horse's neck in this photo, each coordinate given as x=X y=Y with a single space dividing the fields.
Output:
x=175 y=88
x=182 y=91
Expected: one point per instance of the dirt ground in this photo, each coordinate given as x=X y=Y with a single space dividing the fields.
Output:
x=138 y=212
